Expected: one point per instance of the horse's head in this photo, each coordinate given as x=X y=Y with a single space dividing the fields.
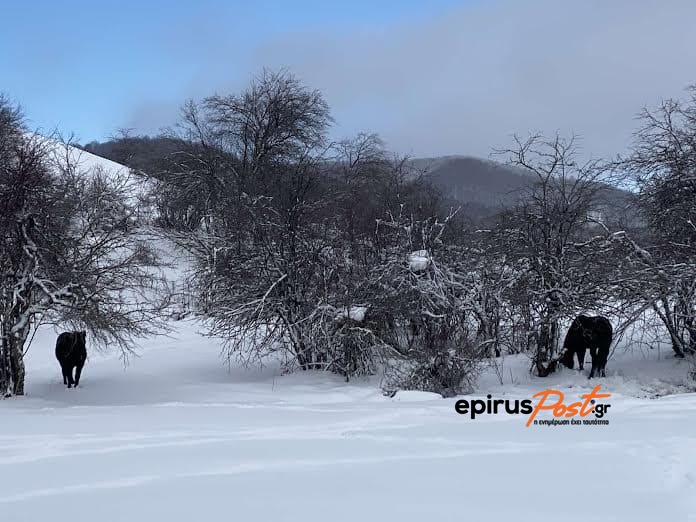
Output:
x=566 y=359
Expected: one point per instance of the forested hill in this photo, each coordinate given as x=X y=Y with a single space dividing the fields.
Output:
x=141 y=153
x=482 y=186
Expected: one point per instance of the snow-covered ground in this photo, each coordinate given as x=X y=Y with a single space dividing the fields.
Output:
x=175 y=436
x=83 y=161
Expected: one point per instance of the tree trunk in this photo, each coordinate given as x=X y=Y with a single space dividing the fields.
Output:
x=546 y=346
x=12 y=370
x=17 y=362
x=5 y=369
x=688 y=320
x=691 y=328
x=487 y=336
x=669 y=320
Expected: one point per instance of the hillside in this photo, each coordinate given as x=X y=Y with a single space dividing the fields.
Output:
x=71 y=156
x=141 y=153
x=481 y=186
x=484 y=187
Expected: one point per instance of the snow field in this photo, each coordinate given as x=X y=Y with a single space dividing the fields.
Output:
x=176 y=436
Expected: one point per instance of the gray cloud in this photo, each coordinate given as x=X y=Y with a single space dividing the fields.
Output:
x=463 y=82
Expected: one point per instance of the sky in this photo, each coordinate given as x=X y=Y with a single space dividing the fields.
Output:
x=433 y=77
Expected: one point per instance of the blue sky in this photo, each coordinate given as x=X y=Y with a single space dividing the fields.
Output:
x=431 y=77
x=86 y=66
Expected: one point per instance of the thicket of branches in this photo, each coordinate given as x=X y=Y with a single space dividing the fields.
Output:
x=663 y=163
x=343 y=257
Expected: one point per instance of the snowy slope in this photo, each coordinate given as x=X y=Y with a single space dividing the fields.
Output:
x=175 y=436
x=64 y=153
x=86 y=161
x=68 y=157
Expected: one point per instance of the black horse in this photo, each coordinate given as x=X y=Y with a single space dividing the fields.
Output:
x=71 y=352
x=585 y=332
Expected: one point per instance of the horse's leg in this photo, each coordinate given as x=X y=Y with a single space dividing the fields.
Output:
x=593 y=354
x=581 y=357
x=602 y=360
x=71 y=381
x=78 y=372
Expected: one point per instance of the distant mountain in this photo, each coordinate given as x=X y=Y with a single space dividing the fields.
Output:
x=483 y=186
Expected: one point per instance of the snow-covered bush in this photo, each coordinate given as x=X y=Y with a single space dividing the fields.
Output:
x=429 y=307
x=344 y=259
x=452 y=370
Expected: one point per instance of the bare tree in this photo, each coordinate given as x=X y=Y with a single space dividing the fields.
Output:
x=237 y=145
x=663 y=163
x=428 y=307
x=288 y=251
x=71 y=250
x=253 y=161
x=542 y=235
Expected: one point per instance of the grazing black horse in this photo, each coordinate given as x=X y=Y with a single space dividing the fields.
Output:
x=71 y=352
x=585 y=332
